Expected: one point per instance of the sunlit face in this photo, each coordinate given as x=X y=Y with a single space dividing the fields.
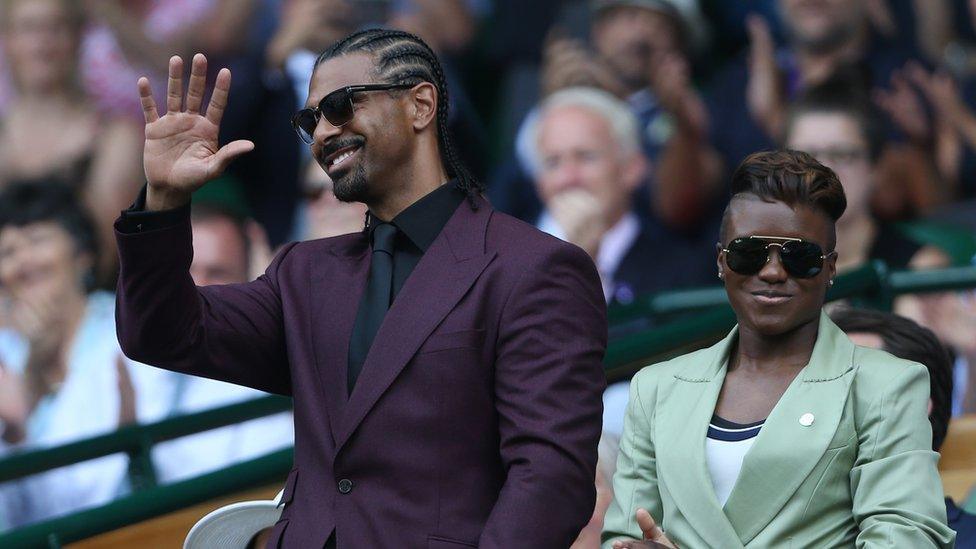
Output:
x=41 y=259
x=820 y=25
x=41 y=44
x=380 y=135
x=578 y=150
x=219 y=253
x=632 y=40
x=836 y=141
x=772 y=302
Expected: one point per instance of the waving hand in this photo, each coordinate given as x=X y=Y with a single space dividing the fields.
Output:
x=181 y=152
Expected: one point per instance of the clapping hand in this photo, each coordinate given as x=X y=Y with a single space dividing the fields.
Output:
x=181 y=152
x=654 y=537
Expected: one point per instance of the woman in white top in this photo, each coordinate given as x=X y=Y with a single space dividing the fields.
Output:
x=62 y=374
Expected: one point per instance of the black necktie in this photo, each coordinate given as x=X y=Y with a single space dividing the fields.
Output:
x=376 y=299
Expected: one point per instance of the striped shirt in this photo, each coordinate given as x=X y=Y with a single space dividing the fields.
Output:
x=726 y=446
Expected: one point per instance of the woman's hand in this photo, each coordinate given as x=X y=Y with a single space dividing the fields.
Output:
x=181 y=152
x=654 y=537
x=14 y=408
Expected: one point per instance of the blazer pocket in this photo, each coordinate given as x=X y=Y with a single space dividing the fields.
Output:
x=444 y=341
x=438 y=542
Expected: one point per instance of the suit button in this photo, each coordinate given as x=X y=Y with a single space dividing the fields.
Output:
x=345 y=486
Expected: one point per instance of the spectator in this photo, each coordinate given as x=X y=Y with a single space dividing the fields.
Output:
x=64 y=377
x=906 y=339
x=640 y=52
x=588 y=163
x=952 y=316
x=50 y=128
x=786 y=393
x=129 y=38
x=822 y=37
x=221 y=250
x=838 y=126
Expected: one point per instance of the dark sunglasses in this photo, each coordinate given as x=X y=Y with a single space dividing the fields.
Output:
x=336 y=107
x=800 y=258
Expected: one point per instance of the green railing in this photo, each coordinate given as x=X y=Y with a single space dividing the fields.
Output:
x=872 y=285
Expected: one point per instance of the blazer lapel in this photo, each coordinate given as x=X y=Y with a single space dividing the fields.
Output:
x=683 y=414
x=785 y=451
x=335 y=288
x=442 y=277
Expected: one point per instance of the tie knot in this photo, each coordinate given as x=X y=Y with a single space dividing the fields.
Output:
x=383 y=236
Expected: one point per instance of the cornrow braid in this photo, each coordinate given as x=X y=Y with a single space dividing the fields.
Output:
x=403 y=58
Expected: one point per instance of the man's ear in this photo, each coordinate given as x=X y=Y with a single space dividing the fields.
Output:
x=423 y=104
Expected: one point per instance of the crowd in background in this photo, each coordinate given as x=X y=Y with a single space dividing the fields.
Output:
x=612 y=124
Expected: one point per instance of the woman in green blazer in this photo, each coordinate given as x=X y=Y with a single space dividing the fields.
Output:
x=783 y=434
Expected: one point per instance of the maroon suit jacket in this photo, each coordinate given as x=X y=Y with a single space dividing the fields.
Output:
x=475 y=420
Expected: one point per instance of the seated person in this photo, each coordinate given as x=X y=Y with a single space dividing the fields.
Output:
x=906 y=339
x=784 y=430
x=587 y=163
x=63 y=376
x=835 y=123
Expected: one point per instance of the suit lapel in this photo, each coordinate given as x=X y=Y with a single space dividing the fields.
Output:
x=335 y=288
x=681 y=426
x=442 y=277
x=786 y=451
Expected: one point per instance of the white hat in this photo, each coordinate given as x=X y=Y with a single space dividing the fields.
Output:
x=234 y=526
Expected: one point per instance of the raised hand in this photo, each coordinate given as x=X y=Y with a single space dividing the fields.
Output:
x=904 y=107
x=181 y=152
x=14 y=406
x=581 y=217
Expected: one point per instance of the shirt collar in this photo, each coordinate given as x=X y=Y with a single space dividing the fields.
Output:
x=423 y=220
x=614 y=244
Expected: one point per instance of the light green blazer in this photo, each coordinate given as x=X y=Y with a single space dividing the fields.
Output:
x=862 y=474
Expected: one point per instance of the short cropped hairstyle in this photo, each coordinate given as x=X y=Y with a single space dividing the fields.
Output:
x=26 y=202
x=792 y=177
x=906 y=339
x=846 y=93
x=616 y=113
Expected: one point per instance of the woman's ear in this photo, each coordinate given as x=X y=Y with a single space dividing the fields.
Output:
x=423 y=98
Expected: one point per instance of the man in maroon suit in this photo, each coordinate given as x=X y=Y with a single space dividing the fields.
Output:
x=445 y=362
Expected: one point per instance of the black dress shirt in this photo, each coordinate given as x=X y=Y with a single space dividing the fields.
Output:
x=418 y=226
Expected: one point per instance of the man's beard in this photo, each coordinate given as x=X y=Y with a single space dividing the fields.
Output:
x=352 y=187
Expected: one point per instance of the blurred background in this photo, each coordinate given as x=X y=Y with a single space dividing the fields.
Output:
x=612 y=124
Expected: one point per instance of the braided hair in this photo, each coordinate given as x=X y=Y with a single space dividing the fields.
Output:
x=403 y=58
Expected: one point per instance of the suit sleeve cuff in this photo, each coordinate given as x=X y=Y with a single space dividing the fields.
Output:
x=136 y=219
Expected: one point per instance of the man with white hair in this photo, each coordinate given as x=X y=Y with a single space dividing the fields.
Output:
x=587 y=162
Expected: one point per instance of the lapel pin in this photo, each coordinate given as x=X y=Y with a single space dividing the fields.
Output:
x=806 y=419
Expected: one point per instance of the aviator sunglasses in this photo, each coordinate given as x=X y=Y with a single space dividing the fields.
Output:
x=336 y=107
x=800 y=258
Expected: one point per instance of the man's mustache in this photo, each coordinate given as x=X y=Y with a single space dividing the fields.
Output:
x=334 y=146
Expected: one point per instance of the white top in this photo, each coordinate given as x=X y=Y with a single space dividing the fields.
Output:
x=726 y=447
x=201 y=453
x=86 y=405
x=614 y=245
